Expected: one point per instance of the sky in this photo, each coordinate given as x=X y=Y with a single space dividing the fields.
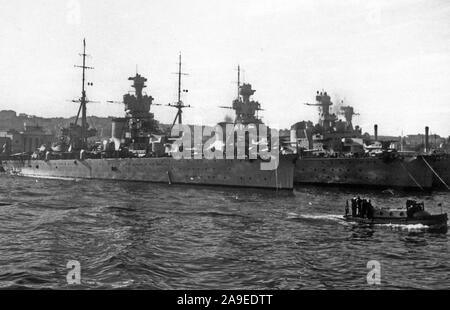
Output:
x=390 y=60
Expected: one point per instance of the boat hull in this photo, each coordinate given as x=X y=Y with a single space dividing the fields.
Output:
x=438 y=221
x=366 y=171
x=441 y=166
x=221 y=172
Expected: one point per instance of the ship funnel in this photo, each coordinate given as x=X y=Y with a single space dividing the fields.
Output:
x=427 y=145
x=375 y=129
x=118 y=131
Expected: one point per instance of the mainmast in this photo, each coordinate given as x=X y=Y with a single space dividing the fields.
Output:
x=179 y=82
x=179 y=105
x=238 y=80
x=83 y=99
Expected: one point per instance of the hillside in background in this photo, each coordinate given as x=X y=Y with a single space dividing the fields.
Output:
x=52 y=125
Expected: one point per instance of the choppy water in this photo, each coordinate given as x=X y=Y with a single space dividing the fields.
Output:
x=138 y=235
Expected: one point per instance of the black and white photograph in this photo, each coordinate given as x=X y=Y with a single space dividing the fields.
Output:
x=240 y=148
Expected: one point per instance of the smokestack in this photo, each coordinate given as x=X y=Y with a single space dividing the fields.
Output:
x=426 y=139
x=375 y=129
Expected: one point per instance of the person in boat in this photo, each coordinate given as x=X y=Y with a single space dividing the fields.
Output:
x=370 y=210
x=410 y=207
x=364 y=208
x=346 y=208
x=413 y=207
x=358 y=206
x=354 y=206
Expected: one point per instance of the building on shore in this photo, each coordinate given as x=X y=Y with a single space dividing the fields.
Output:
x=32 y=137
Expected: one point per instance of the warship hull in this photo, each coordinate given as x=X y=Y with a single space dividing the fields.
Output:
x=220 y=172
x=367 y=171
x=441 y=166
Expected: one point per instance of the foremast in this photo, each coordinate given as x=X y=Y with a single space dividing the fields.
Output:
x=83 y=99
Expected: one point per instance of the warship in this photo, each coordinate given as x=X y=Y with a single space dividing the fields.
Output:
x=139 y=151
x=335 y=152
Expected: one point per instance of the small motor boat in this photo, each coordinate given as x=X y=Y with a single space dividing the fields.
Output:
x=362 y=211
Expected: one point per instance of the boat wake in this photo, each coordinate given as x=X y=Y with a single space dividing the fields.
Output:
x=340 y=219
x=405 y=227
x=327 y=217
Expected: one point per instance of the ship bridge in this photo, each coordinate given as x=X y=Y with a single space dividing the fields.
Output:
x=246 y=108
x=138 y=104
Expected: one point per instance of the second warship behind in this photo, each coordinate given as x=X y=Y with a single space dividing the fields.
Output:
x=335 y=152
x=138 y=151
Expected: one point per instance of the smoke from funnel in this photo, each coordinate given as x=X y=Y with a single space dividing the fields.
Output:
x=337 y=104
x=228 y=119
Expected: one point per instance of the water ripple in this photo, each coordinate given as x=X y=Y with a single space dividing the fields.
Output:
x=138 y=235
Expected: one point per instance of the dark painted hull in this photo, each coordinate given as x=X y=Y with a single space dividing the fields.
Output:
x=438 y=221
x=366 y=171
x=441 y=165
x=221 y=172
